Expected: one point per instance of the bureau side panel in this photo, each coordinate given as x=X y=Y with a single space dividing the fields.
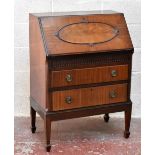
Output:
x=38 y=63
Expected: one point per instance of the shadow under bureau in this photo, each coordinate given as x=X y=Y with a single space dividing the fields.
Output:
x=80 y=65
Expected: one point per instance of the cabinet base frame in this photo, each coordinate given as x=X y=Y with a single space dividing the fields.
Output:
x=50 y=116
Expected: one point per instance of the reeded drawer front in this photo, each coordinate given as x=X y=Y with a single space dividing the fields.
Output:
x=89 y=75
x=84 y=97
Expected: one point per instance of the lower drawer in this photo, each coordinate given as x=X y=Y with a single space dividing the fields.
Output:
x=76 y=98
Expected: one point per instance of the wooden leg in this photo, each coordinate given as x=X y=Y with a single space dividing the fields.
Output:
x=127 y=121
x=33 y=119
x=106 y=117
x=47 y=133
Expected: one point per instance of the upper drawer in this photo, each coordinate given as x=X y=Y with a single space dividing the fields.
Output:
x=89 y=75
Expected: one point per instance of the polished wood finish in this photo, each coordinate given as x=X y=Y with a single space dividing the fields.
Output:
x=89 y=96
x=89 y=75
x=33 y=119
x=127 y=121
x=55 y=46
x=81 y=112
x=38 y=64
x=87 y=33
x=74 y=13
x=74 y=75
x=47 y=125
x=89 y=60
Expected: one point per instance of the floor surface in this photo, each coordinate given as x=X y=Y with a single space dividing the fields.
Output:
x=82 y=136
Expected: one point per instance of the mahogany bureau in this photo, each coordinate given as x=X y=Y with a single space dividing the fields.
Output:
x=80 y=65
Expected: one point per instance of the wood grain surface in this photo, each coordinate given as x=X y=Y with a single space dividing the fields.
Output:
x=38 y=64
x=89 y=97
x=55 y=46
x=89 y=75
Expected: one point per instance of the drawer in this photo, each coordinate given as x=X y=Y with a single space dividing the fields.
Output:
x=89 y=75
x=76 y=98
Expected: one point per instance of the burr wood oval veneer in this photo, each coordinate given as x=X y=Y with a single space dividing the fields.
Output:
x=80 y=65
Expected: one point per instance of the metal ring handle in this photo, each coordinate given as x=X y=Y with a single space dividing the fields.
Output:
x=113 y=94
x=68 y=99
x=69 y=78
x=114 y=73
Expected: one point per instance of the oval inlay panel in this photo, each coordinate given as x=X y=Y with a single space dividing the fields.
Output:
x=87 y=33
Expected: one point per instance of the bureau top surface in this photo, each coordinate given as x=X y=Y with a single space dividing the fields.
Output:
x=74 y=13
x=70 y=33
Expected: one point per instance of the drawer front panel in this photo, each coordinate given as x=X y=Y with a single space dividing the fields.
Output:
x=89 y=75
x=84 y=97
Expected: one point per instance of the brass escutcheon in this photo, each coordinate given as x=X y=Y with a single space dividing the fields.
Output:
x=68 y=100
x=68 y=78
x=113 y=94
x=114 y=73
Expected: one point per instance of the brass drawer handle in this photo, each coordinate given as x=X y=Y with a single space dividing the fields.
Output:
x=113 y=94
x=68 y=100
x=69 y=78
x=114 y=73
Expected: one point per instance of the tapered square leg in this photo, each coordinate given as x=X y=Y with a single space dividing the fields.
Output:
x=127 y=121
x=33 y=119
x=106 y=117
x=47 y=123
